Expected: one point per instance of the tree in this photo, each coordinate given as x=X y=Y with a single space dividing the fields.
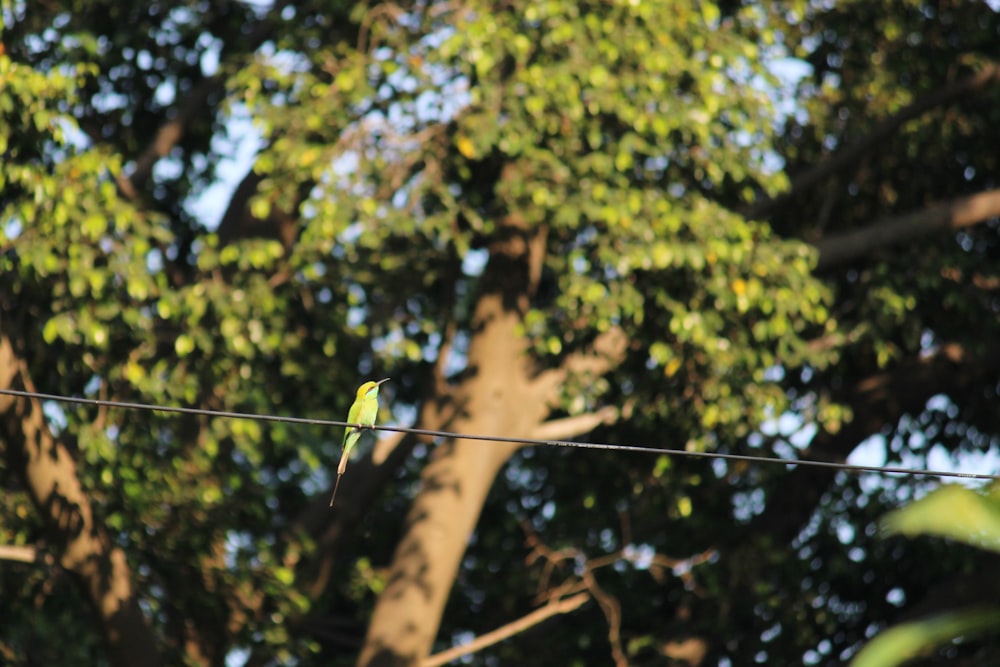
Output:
x=556 y=221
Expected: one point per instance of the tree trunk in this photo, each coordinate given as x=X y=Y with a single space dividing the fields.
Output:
x=497 y=396
x=80 y=543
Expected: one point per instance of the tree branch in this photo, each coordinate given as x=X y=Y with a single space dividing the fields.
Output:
x=22 y=554
x=169 y=135
x=568 y=427
x=368 y=477
x=358 y=492
x=851 y=153
x=191 y=105
x=80 y=543
x=875 y=401
x=841 y=249
x=520 y=625
x=607 y=350
x=239 y=223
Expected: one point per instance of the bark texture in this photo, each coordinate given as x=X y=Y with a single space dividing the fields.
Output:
x=79 y=542
x=496 y=396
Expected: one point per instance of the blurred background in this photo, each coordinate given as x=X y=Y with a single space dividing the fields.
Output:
x=722 y=227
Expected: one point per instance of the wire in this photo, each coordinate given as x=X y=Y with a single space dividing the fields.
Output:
x=847 y=467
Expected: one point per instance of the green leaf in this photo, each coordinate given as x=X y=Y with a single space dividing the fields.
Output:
x=910 y=640
x=184 y=345
x=954 y=512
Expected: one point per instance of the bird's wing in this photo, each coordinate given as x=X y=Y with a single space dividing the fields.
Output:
x=353 y=417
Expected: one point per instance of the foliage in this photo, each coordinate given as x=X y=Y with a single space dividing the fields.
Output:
x=960 y=514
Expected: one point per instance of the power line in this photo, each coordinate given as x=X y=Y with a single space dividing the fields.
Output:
x=847 y=467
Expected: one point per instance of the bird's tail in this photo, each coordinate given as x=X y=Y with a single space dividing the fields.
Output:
x=335 y=486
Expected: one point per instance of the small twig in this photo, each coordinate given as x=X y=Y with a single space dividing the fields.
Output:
x=613 y=612
x=584 y=582
x=520 y=625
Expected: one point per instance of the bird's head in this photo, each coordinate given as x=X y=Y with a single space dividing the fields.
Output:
x=370 y=388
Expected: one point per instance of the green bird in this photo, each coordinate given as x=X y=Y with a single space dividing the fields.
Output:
x=363 y=411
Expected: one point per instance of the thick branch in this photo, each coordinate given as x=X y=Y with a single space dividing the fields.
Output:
x=21 y=553
x=506 y=631
x=169 y=135
x=876 y=401
x=359 y=491
x=190 y=106
x=606 y=352
x=841 y=249
x=239 y=223
x=569 y=427
x=79 y=542
x=851 y=153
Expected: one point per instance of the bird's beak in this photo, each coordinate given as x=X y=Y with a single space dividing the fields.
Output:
x=381 y=381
